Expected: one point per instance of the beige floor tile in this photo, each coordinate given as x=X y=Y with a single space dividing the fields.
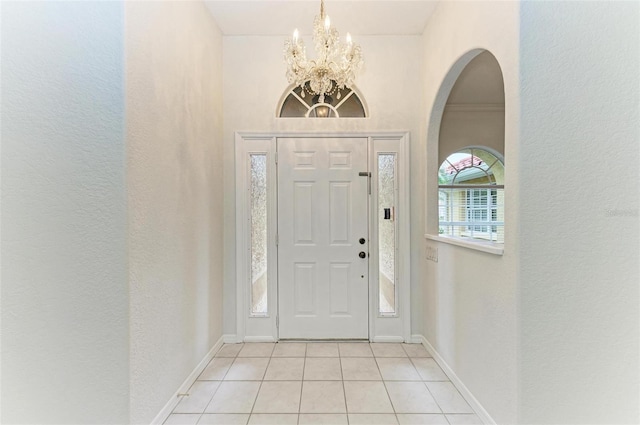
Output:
x=355 y=349
x=372 y=419
x=421 y=419
x=278 y=397
x=229 y=350
x=285 y=369
x=322 y=349
x=416 y=350
x=216 y=369
x=200 y=394
x=322 y=419
x=448 y=397
x=394 y=369
x=388 y=350
x=464 y=419
x=322 y=369
x=256 y=349
x=182 y=419
x=234 y=397
x=360 y=369
x=322 y=397
x=247 y=369
x=290 y=349
x=367 y=397
x=273 y=419
x=224 y=419
x=411 y=397
x=429 y=369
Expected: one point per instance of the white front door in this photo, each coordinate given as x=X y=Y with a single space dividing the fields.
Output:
x=323 y=282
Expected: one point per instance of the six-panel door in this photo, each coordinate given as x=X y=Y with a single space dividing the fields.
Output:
x=322 y=215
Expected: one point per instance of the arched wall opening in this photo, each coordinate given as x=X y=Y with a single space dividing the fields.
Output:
x=468 y=113
x=469 y=281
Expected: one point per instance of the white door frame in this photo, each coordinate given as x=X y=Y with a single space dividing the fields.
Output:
x=264 y=328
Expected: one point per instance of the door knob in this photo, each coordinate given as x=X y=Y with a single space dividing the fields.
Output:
x=362 y=241
x=362 y=254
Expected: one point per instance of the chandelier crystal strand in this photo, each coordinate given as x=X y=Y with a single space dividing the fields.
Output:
x=335 y=65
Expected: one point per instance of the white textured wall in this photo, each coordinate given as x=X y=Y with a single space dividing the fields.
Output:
x=469 y=297
x=174 y=175
x=65 y=327
x=254 y=81
x=579 y=191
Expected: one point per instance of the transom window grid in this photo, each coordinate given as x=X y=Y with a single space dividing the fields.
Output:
x=471 y=198
x=299 y=103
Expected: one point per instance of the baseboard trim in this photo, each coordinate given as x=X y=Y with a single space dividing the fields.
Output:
x=173 y=402
x=416 y=339
x=230 y=339
x=473 y=402
x=259 y=339
x=382 y=338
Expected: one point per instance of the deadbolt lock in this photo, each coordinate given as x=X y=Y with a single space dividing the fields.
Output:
x=362 y=241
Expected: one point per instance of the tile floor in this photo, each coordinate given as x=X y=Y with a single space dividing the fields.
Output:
x=345 y=383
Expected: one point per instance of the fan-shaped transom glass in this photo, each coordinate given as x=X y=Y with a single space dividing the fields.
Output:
x=471 y=166
x=344 y=103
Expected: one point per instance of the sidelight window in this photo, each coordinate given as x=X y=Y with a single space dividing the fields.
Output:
x=387 y=196
x=258 y=219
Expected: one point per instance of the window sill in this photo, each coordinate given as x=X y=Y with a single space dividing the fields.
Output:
x=488 y=247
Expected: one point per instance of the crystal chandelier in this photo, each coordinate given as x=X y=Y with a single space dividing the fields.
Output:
x=333 y=69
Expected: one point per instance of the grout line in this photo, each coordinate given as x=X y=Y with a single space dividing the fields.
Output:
x=386 y=390
x=221 y=381
x=434 y=399
x=304 y=365
x=260 y=387
x=344 y=390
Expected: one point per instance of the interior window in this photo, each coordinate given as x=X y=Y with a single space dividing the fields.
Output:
x=471 y=196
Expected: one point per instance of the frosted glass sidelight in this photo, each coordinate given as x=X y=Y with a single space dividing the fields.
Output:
x=387 y=232
x=258 y=201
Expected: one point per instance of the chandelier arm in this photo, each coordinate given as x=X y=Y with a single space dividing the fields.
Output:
x=335 y=65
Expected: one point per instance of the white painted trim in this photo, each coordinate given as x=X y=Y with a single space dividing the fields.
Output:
x=404 y=260
x=381 y=338
x=457 y=382
x=241 y=236
x=265 y=338
x=416 y=339
x=380 y=325
x=391 y=134
x=488 y=247
x=230 y=339
x=184 y=388
x=404 y=267
x=255 y=325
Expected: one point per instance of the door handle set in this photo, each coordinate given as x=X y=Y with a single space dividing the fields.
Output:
x=362 y=254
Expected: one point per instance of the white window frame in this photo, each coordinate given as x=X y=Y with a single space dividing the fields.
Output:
x=484 y=244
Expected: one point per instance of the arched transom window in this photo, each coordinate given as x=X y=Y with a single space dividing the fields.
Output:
x=345 y=103
x=471 y=195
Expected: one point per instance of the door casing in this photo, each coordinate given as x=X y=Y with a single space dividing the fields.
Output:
x=264 y=328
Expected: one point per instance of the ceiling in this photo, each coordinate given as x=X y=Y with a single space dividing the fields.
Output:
x=359 y=17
